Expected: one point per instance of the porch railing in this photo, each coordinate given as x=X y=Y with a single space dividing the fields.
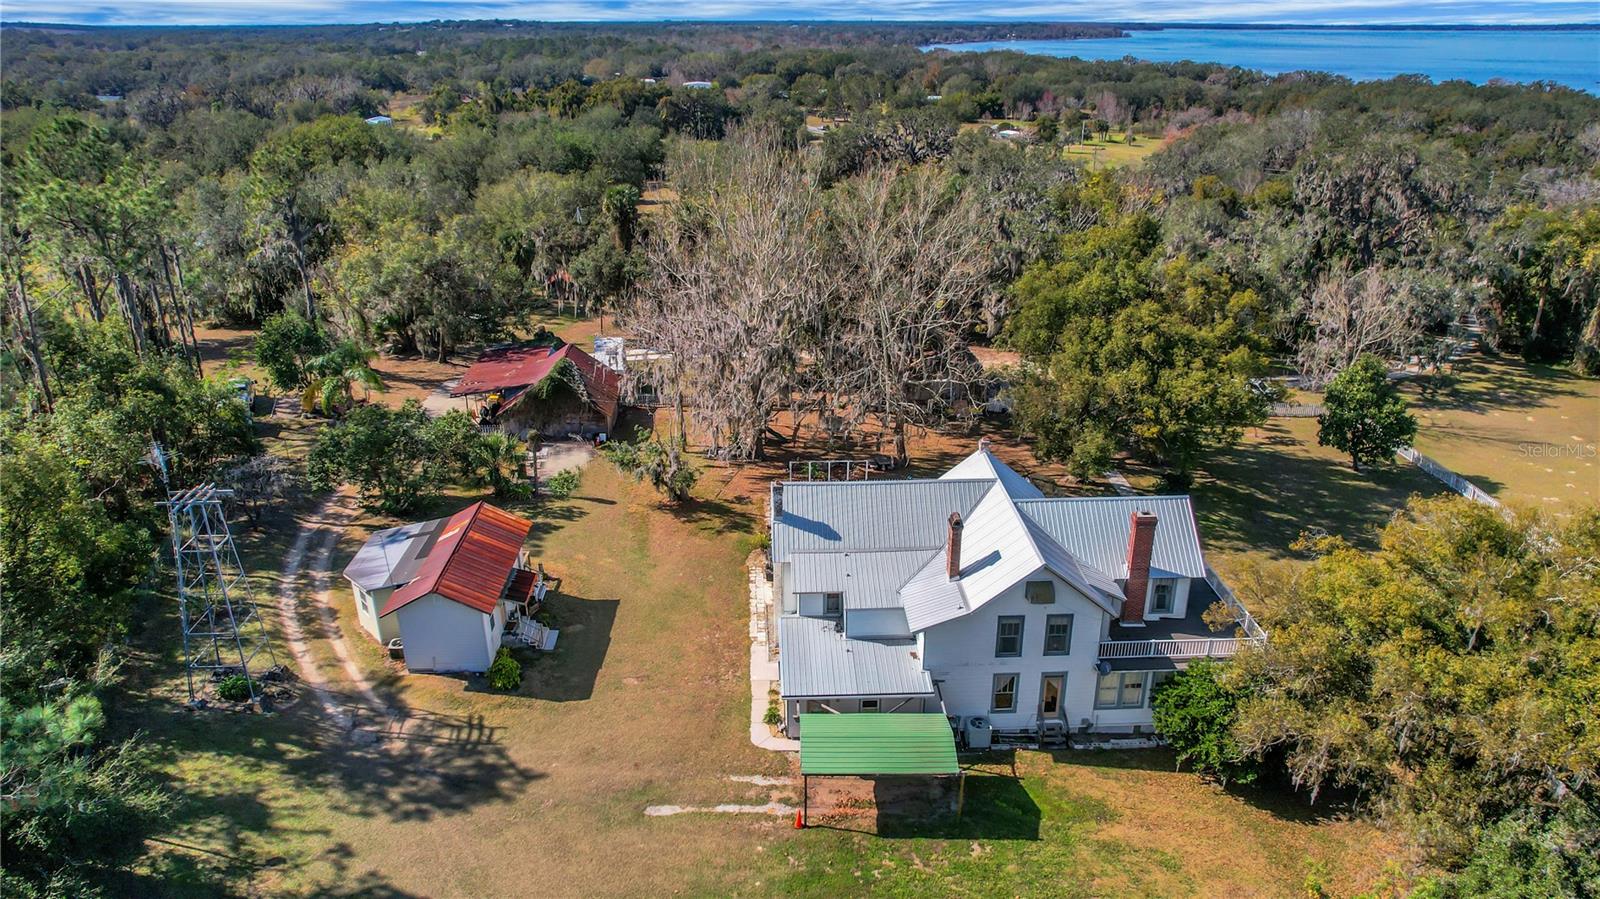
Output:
x=1184 y=648
x=1194 y=647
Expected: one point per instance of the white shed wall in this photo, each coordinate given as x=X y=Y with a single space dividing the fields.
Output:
x=444 y=635
x=368 y=605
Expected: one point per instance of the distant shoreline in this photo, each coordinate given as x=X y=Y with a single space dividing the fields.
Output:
x=877 y=23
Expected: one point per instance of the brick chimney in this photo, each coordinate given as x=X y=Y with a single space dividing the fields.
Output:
x=952 y=548
x=1141 y=542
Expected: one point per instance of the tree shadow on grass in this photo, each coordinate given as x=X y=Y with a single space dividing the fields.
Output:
x=1260 y=496
x=716 y=516
x=568 y=673
x=1272 y=794
x=553 y=515
x=1486 y=384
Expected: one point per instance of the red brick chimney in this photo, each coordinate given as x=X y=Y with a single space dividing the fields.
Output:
x=1141 y=542
x=952 y=548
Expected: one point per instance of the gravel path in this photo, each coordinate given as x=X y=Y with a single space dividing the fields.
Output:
x=313 y=550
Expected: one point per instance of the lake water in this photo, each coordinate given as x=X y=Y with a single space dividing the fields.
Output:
x=1571 y=58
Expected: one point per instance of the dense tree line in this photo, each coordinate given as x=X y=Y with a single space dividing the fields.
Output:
x=1447 y=681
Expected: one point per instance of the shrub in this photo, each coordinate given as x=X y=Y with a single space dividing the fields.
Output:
x=285 y=347
x=506 y=672
x=1194 y=712
x=562 y=484
x=234 y=688
x=651 y=460
x=773 y=716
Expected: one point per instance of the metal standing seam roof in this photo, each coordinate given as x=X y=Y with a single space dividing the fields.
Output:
x=471 y=560
x=869 y=744
x=816 y=659
x=986 y=466
x=999 y=547
x=869 y=579
x=870 y=515
x=1095 y=529
x=523 y=365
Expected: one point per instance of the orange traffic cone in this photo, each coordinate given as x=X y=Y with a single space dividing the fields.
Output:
x=799 y=820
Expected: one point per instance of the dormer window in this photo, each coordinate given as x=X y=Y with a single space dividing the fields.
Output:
x=1161 y=598
x=833 y=604
x=1040 y=593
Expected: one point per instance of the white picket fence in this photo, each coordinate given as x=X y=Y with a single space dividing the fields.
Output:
x=1454 y=481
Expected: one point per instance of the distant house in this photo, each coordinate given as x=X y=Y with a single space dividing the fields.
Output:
x=539 y=388
x=697 y=85
x=643 y=373
x=380 y=120
x=975 y=596
x=444 y=587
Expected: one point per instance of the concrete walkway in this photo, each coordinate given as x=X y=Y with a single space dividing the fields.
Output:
x=763 y=668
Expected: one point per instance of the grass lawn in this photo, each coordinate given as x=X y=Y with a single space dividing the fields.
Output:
x=1252 y=500
x=1526 y=433
x=645 y=703
x=1079 y=824
x=1113 y=152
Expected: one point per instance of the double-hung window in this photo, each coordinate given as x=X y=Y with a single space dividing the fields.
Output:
x=1058 y=635
x=1008 y=637
x=1120 y=690
x=1004 y=696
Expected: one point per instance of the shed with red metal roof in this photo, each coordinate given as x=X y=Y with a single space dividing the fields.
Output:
x=449 y=593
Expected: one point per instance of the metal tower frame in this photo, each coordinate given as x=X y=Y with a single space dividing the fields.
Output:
x=222 y=630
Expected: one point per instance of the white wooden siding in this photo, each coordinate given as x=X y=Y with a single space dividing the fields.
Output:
x=960 y=656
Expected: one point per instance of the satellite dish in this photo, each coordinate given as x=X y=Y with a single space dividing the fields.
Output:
x=1103 y=667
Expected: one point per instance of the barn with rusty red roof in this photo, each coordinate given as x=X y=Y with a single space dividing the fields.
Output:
x=540 y=387
x=444 y=587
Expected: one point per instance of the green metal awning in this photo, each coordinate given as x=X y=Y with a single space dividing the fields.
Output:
x=871 y=743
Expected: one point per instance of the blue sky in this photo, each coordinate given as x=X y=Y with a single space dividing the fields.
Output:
x=282 y=12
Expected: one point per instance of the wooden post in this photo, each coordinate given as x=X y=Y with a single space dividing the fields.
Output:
x=805 y=799
x=961 y=794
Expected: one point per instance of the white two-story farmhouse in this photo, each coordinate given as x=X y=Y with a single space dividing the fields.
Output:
x=974 y=595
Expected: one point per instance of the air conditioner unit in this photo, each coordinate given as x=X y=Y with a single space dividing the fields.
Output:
x=979 y=733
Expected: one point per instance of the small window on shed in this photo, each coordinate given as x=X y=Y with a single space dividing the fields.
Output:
x=1041 y=593
x=833 y=603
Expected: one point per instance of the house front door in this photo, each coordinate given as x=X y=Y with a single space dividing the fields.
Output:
x=1051 y=688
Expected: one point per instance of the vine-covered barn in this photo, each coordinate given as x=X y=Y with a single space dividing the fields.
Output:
x=538 y=388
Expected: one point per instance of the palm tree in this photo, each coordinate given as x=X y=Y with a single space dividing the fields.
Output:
x=334 y=376
x=498 y=457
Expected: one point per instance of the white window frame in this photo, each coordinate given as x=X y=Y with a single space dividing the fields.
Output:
x=994 y=692
x=877 y=706
x=1155 y=596
x=1123 y=679
x=832 y=604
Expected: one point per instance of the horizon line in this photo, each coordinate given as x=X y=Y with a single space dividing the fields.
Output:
x=1379 y=26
